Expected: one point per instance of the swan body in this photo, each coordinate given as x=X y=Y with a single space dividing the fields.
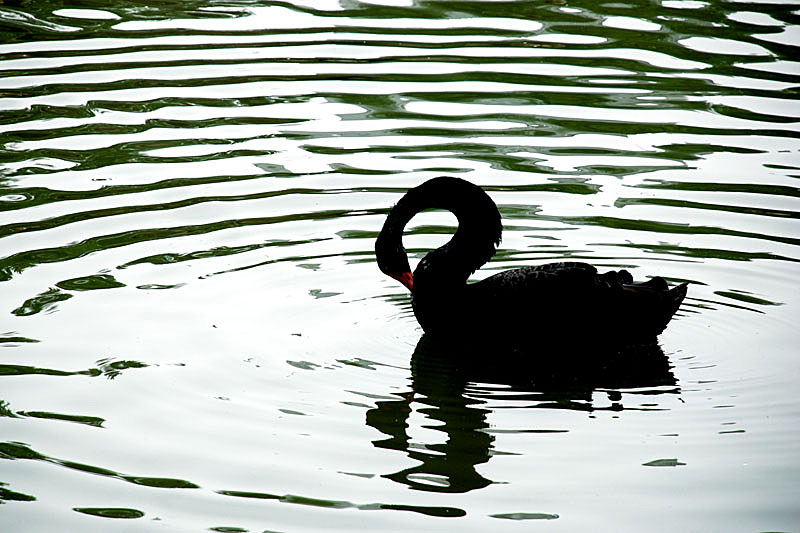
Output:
x=567 y=301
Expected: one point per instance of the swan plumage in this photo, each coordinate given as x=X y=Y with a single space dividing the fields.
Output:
x=571 y=300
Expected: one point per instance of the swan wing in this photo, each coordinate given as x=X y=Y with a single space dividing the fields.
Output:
x=574 y=297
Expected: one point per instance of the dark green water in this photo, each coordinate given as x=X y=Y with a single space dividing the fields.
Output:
x=195 y=335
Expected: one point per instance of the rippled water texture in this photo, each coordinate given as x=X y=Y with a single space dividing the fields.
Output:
x=195 y=335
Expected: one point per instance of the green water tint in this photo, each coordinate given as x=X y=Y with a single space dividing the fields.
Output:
x=10 y=495
x=332 y=504
x=189 y=197
x=111 y=512
x=16 y=450
x=109 y=368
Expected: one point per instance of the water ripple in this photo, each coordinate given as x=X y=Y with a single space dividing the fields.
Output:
x=194 y=189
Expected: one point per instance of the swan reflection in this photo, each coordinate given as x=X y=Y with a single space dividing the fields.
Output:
x=443 y=390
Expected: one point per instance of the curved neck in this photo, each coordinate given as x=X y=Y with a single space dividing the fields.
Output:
x=479 y=230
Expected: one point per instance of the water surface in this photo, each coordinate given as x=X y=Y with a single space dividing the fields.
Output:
x=196 y=336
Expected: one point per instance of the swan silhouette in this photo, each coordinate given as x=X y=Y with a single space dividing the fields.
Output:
x=566 y=302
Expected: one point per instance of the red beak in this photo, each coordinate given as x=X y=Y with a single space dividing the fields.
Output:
x=405 y=278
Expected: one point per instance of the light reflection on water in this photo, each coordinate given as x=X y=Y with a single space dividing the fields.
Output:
x=195 y=332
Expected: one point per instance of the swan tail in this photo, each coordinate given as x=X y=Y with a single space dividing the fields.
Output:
x=676 y=296
x=663 y=301
x=672 y=301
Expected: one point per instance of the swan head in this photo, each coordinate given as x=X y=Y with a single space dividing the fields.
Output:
x=392 y=258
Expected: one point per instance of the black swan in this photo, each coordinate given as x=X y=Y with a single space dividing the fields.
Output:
x=565 y=302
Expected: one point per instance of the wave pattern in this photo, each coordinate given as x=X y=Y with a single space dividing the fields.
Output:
x=229 y=164
x=101 y=132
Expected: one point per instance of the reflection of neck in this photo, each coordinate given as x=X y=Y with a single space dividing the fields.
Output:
x=444 y=467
